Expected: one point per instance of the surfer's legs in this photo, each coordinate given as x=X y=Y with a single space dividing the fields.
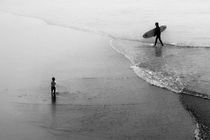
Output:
x=155 y=41
x=158 y=38
x=160 y=41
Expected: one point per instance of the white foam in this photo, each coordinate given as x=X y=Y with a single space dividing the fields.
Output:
x=159 y=80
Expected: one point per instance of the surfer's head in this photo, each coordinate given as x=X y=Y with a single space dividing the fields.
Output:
x=53 y=78
x=156 y=24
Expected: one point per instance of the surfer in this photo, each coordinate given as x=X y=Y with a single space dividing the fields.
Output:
x=53 y=87
x=157 y=34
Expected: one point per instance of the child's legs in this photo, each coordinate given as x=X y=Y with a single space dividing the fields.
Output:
x=53 y=90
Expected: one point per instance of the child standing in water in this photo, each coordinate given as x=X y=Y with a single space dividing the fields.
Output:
x=53 y=87
x=157 y=34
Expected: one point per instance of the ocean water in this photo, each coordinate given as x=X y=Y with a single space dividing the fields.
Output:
x=181 y=66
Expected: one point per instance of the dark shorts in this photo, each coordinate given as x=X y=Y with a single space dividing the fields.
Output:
x=158 y=35
x=53 y=88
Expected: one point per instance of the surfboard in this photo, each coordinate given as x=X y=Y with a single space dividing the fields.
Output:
x=151 y=33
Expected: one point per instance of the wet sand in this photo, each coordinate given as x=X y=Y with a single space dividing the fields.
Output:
x=199 y=109
x=99 y=96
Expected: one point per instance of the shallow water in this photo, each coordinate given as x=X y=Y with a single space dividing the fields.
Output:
x=176 y=68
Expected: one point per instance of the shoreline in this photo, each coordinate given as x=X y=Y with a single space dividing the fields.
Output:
x=116 y=104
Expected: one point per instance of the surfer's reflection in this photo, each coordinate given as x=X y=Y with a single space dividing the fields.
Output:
x=158 y=51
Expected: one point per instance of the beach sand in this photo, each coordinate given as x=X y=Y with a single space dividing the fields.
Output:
x=99 y=96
